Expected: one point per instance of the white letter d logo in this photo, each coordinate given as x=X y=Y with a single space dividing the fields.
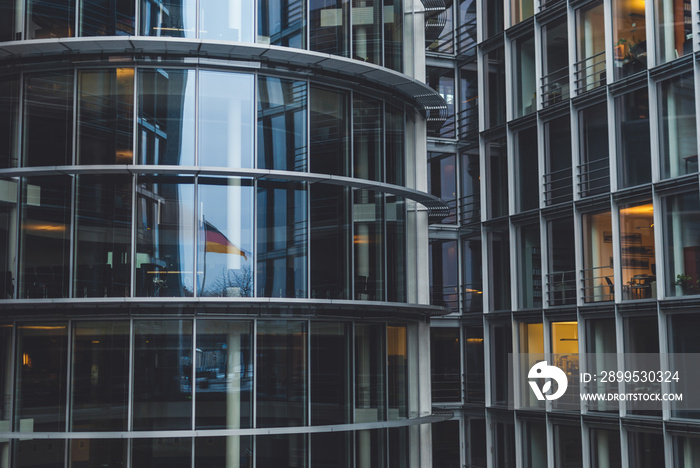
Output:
x=542 y=370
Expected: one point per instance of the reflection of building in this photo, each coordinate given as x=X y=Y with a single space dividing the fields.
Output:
x=213 y=234
x=569 y=162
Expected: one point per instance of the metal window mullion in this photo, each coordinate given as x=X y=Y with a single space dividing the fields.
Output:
x=254 y=266
x=309 y=293
x=353 y=355
x=351 y=171
x=69 y=366
x=254 y=396
x=11 y=414
x=20 y=180
x=193 y=376
x=195 y=226
x=134 y=198
x=308 y=376
x=72 y=228
x=131 y=382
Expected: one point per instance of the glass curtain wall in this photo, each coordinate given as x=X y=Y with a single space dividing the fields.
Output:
x=682 y=244
x=9 y=107
x=526 y=174
x=557 y=178
x=594 y=164
x=590 y=47
x=280 y=22
x=525 y=98
x=674 y=29
x=598 y=278
x=634 y=146
x=677 y=126
x=530 y=267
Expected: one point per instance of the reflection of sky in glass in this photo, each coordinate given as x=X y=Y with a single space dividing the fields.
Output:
x=226 y=20
x=228 y=209
x=226 y=119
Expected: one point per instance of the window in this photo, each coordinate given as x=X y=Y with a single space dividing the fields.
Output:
x=440 y=35
x=8 y=245
x=637 y=248
x=686 y=451
x=597 y=271
x=368 y=154
x=561 y=279
x=46 y=20
x=329 y=26
x=525 y=99
x=444 y=273
x=369 y=246
x=601 y=349
x=646 y=449
x=529 y=276
x=567 y=446
x=442 y=80
x=9 y=121
x=521 y=10
x=674 y=29
x=494 y=18
x=605 y=448
x=474 y=363
x=329 y=148
x=642 y=337
x=175 y=18
x=684 y=344
x=468 y=117
x=501 y=346
x=445 y=436
x=470 y=187
x=634 y=164
x=331 y=365
x=629 y=37
x=106 y=18
x=594 y=165
x=590 y=47
x=445 y=366
x=499 y=253
x=495 y=85
x=526 y=174
x=370 y=372
x=280 y=22
x=497 y=177
x=532 y=351
x=564 y=336
x=503 y=449
x=555 y=64
x=472 y=280
x=557 y=178
x=677 y=126
x=442 y=182
x=535 y=444
x=366 y=20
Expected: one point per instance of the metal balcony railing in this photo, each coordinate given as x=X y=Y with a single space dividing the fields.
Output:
x=468 y=119
x=593 y=177
x=470 y=209
x=558 y=186
x=555 y=87
x=472 y=298
x=445 y=296
x=598 y=284
x=561 y=288
x=590 y=73
x=466 y=39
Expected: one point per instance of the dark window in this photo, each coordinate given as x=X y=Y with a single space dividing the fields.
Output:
x=526 y=174
x=446 y=444
x=329 y=26
x=174 y=18
x=445 y=370
x=634 y=164
x=212 y=452
x=331 y=392
x=472 y=283
x=281 y=22
x=161 y=453
x=367 y=139
x=49 y=19
x=329 y=149
x=369 y=245
x=9 y=104
x=106 y=18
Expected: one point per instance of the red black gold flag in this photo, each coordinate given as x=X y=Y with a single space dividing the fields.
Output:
x=218 y=243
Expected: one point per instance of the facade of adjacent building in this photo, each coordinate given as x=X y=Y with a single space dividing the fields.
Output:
x=569 y=158
x=213 y=234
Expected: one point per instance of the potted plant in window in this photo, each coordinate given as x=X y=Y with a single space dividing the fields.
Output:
x=688 y=284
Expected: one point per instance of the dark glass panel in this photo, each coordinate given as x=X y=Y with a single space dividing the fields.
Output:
x=225 y=237
x=98 y=453
x=557 y=178
x=282 y=22
x=600 y=340
x=332 y=449
x=605 y=448
x=442 y=80
x=226 y=20
x=567 y=446
x=165 y=237
x=501 y=345
x=282 y=239
x=282 y=124
x=439 y=28
x=474 y=363
x=6 y=383
x=683 y=342
x=681 y=244
x=330 y=242
x=530 y=268
x=107 y=18
x=42 y=361
x=468 y=112
x=634 y=164
x=525 y=92
x=370 y=372
x=499 y=252
x=677 y=126
x=50 y=18
x=100 y=376
x=555 y=64
x=45 y=232
x=594 y=168
x=535 y=444
x=166 y=116
x=393 y=34
x=39 y=453
x=495 y=84
x=161 y=453
x=642 y=337
x=162 y=376
x=226 y=103
x=686 y=451
x=5 y=452
x=400 y=447
x=494 y=18
x=445 y=436
x=561 y=280
x=466 y=34
x=329 y=26
x=497 y=178
x=396 y=249
x=598 y=277
x=472 y=287
x=331 y=366
x=445 y=366
x=281 y=374
x=223 y=452
x=503 y=436
x=8 y=237
x=442 y=182
x=105 y=116
x=367 y=138
x=48 y=119
x=275 y=451
x=527 y=178
x=397 y=370
x=646 y=449
x=629 y=37
x=224 y=376
x=370 y=448
x=394 y=154
x=9 y=29
x=590 y=46
x=9 y=104
x=366 y=30
x=330 y=133
x=369 y=248
x=173 y=18
x=444 y=274
x=103 y=236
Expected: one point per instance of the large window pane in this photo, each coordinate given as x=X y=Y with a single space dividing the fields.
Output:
x=281 y=374
x=45 y=232
x=370 y=372
x=445 y=368
x=674 y=29
x=474 y=363
x=681 y=244
x=330 y=242
x=162 y=375
x=442 y=80
x=564 y=345
x=6 y=384
x=397 y=370
x=9 y=121
x=280 y=22
x=367 y=138
x=677 y=127
x=274 y=451
x=590 y=47
x=166 y=116
x=567 y=446
x=555 y=63
x=637 y=247
x=225 y=231
x=605 y=448
x=174 y=18
x=42 y=361
x=446 y=444
x=103 y=236
x=646 y=449
x=48 y=119
x=368 y=232
x=366 y=30
x=396 y=249
x=8 y=238
x=501 y=345
x=332 y=449
x=684 y=343
x=686 y=451
x=393 y=34
x=525 y=87
x=226 y=20
x=9 y=25
x=503 y=436
x=106 y=18
x=49 y=19
x=557 y=160
x=634 y=164
x=98 y=453
x=282 y=124
x=530 y=266
x=597 y=271
x=444 y=273
x=442 y=182
x=521 y=10
x=329 y=26
x=526 y=174
x=224 y=376
x=161 y=453
x=561 y=280
x=499 y=267
x=629 y=37
x=472 y=280
x=282 y=239
x=330 y=132
x=395 y=150
x=601 y=347
x=535 y=444
x=217 y=452
x=39 y=453
x=532 y=351
x=331 y=392
x=100 y=376
x=497 y=178
x=226 y=102
x=594 y=163
x=105 y=116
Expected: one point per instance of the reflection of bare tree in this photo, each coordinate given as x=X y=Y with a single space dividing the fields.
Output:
x=233 y=283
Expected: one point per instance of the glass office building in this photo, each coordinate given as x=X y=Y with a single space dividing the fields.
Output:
x=568 y=159
x=213 y=234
